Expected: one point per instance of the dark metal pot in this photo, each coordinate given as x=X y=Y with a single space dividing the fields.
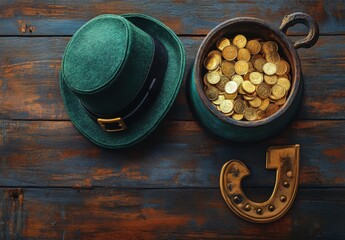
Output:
x=242 y=131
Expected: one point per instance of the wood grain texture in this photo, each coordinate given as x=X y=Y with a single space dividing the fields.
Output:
x=55 y=184
x=29 y=82
x=178 y=154
x=51 y=17
x=161 y=214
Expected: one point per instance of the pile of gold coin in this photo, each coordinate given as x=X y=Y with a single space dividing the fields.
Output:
x=246 y=79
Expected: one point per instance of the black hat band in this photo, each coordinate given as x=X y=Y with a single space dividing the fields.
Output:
x=146 y=95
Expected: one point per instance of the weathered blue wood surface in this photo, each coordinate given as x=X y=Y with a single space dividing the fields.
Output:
x=54 y=184
x=178 y=154
x=51 y=17
x=161 y=214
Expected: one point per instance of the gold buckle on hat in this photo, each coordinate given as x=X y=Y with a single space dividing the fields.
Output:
x=112 y=125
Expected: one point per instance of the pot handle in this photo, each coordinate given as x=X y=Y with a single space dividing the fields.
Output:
x=300 y=17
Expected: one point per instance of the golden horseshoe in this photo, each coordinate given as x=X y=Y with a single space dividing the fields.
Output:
x=286 y=160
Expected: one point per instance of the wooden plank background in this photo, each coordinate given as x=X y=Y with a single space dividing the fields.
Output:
x=55 y=184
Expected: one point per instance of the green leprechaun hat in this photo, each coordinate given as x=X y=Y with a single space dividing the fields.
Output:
x=120 y=75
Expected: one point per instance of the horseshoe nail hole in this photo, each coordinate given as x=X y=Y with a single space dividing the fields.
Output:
x=271 y=208
x=289 y=174
x=283 y=198
x=237 y=199
x=286 y=184
x=259 y=211
x=247 y=207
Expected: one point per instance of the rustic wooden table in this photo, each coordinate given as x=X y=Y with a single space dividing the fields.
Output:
x=55 y=184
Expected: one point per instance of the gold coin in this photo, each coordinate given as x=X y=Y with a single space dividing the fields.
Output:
x=281 y=68
x=211 y=93
x=237 y=116
x=272 y=57
x=256 y=78
x=269 y=46
x=226 y=106
x=238 y=79
x=250 y=114
x=246 y=76
x=264 y=104
x=273 y=98
x=205 y=80
x=219 y=70
x=240 y=41
x=222 y=82
x=253 y=93
x=256 y=102
x=253 y=46
x=248 y=87
x=211 y=62
x=219 y=100
x=251 y=67
x=248 y=97
x=287 y=76
x=231 y=96
x=278 y=91
x=240 y=90
x=287 y=66
x=231 y=87
x=228 y=68
x=254 y=57
x=217 y=53
x=270 y=80
x=243 y=54
x=213 y=77
x=241 y=67
x=269 y=68
x=229 y=114
x=222 y=43
x=285 y=83
x=281 y=101
x=259 y=63
x=239 y=106
x=261 y=114
x=263 y=90
x=230 y=52
x=271 y=109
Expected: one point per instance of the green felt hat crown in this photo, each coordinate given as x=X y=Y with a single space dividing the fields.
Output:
x=106 y=67
x=107 y=61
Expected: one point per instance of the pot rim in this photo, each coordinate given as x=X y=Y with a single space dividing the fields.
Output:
x=295 y=67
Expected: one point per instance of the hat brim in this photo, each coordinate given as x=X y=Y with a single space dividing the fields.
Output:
x=149 y=120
